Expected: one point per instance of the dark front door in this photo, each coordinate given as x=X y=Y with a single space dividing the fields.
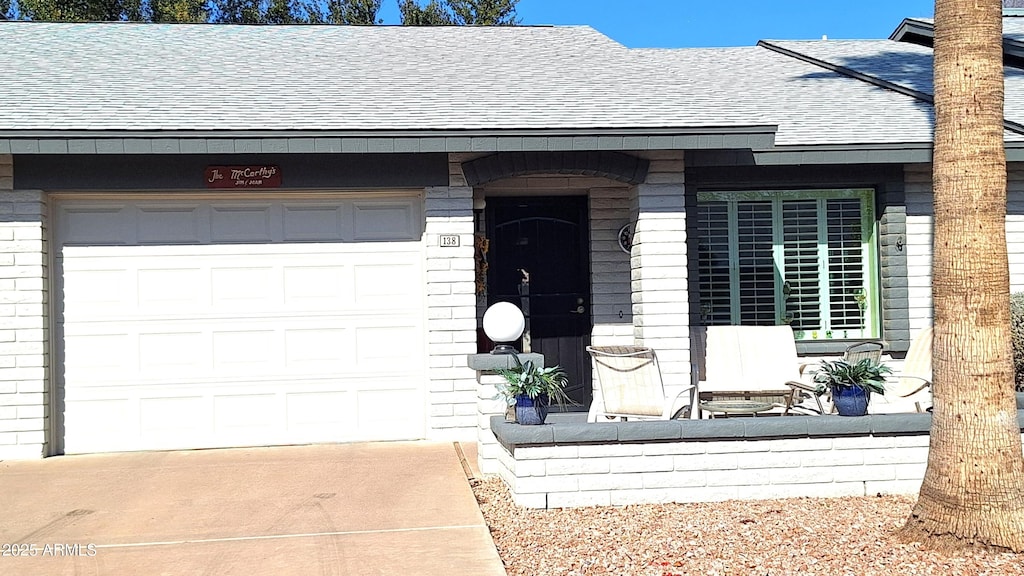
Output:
x=539 y=260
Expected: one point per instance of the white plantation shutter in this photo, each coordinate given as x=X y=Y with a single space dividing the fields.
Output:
x=796 y=257
x=756 y=265
x=845 y=263
x=802 y=289
x=713 y=263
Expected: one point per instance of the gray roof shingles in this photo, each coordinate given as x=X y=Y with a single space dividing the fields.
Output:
x=902 y=64
x=338 y=79
x=215 y=77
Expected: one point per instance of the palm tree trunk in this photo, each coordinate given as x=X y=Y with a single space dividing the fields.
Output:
x=973 y=489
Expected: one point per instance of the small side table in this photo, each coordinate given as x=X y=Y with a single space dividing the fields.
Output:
x=727 y=407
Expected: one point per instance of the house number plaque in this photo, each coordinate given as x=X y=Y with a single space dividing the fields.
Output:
x=449 y=241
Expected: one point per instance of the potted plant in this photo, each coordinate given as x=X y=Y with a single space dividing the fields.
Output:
x=532 y=389
x=851 y=384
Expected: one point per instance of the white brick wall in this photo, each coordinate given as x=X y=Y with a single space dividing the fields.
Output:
x=24 y=320
x=451 y=310
x=619 y=474
x=1015 y=225
x=918 y=182
x=659 y=282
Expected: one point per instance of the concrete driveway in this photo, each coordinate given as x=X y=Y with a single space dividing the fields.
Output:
x=382 y=508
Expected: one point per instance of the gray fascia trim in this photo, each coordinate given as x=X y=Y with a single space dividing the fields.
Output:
x=163 y=144
x=854 y=154
x=865 y=154
x=748 y=137
x=452 y=133
x=922 y=96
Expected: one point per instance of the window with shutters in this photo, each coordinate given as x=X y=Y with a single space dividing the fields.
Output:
x=800 y=257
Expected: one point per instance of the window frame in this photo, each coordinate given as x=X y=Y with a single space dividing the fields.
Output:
x=868 y=248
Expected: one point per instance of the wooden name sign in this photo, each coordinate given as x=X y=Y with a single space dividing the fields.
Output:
x=263 y=176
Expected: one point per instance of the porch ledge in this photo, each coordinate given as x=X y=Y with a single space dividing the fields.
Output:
x=572 y=428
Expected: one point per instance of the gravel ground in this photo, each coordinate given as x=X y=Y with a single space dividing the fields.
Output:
x=841 y=536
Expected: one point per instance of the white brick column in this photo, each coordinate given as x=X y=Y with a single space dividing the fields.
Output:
x=658 y=267
x=24 y=320
x=451 y=310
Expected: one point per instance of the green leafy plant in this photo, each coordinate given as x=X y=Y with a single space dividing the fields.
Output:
x=866 y=374
x=533 y=381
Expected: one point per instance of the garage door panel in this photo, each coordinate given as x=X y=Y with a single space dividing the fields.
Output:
x=229 y=342
x=167 y=225
x=312 y=350
x=238 y=412
x=313 y=222
x=96 y=356
x=317 y=287
x=241 y=224
x=239 y=288
x=98 y=292
x=384 y=221
x=245 y=352
x=170 y=354
x=385 y=285
x=170 y=289
x=163 y=420
x=378 y=347
x=92 y=225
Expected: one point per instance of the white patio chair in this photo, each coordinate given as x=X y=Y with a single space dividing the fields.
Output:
x=746 y=363
x=630 y=385
x=912 y=384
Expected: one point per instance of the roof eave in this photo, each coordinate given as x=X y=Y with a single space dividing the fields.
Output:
x=752 y=137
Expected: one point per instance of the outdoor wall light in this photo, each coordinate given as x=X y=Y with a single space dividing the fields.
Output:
x=504 y=323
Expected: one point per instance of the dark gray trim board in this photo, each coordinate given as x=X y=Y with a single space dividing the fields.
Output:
x=613 y=165
x=573 y=429
x=911 y=153
x=185 y=172
x=755 y=137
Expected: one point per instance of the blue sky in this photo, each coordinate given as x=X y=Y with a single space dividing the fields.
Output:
x=679 y=23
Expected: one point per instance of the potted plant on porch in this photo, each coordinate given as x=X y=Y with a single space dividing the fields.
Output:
x=851 y=384
x=533 y=389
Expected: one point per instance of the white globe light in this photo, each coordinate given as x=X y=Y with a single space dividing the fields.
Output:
x=504 y=322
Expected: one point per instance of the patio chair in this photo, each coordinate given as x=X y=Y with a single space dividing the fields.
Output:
x=912 y=383
x=805 y=389
x=630 y=385
x=745 y=364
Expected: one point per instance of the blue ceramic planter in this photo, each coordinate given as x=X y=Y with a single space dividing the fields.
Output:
x=850 y=400
x=531 y=411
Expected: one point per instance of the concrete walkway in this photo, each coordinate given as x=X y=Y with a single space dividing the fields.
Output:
x=382 y=508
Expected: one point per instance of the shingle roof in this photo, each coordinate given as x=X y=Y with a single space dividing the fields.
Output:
x=59 y=78
x=902 y=64
x=218 y=77
x=812 y=106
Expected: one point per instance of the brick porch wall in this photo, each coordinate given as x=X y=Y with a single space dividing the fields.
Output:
x=659 y=472
x=24 y=320
x=451 y=309
x=659 y=279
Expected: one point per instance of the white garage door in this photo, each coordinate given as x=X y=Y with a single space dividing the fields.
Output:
x=189 y=324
